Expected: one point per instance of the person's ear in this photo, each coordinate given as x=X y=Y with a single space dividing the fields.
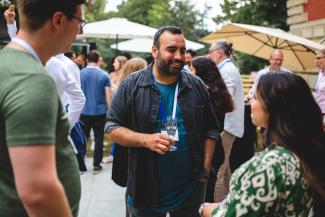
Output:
x=57 y=19
x=154 y=51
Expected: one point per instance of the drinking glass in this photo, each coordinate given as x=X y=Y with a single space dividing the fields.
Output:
x=171 y=128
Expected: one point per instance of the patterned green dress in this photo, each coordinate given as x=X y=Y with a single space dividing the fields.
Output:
x=269 y=184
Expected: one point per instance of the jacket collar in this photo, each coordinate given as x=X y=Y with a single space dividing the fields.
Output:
x=182 y=78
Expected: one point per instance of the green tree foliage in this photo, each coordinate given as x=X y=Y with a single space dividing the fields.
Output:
x=152 y=13
x=272 y=13
x=95 y=10
x=6 y=3
x=165 y=12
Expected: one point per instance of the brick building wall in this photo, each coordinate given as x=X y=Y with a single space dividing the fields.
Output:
x=315 y=9
x=306 y=18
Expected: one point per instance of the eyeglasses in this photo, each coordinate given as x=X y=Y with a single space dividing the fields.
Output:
x=213 y=50
x=318 y=58
x=82 y=22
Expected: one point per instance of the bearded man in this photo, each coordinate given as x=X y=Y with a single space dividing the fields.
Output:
x=162 y=181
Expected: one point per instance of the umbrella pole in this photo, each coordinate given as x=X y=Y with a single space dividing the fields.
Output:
x=116 y=43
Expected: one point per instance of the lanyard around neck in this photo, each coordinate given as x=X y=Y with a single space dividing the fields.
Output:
x=27 y=47
x=161 y=107
x=224 y=63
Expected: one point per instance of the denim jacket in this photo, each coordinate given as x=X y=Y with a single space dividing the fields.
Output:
x=136 y=106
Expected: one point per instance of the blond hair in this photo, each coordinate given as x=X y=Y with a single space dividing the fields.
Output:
x=132 y=65
x=122 y=60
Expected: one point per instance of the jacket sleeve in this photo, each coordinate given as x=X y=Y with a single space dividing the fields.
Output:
x=12 y=30
x=117 y=115
x=75 y=97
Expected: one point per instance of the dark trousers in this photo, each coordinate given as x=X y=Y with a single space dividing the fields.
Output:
x=190 y=207
x=81 y=162
x=97 y=123
x=217 y=161
x=244 y=148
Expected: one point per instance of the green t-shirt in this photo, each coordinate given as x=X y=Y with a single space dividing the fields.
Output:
x=269 y=184
x=31 y=113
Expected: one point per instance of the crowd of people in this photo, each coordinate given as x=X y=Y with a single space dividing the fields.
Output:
x=174 y=123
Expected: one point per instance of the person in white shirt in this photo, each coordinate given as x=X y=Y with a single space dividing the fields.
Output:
x=220 y=53
x=69 y=90
x=65 y=74
x=275 y=60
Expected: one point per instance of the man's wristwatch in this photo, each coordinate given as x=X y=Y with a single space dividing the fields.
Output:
x=201 y=209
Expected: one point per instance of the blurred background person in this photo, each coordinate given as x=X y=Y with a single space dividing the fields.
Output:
x=71 y=55
x=120 y=160
x=96 y=86
x=101 y=62
x=319 y=93
x=221 y=102
x=118 y=63
x=275 y=60
x=287 y=177
x=190 y=54
x=132 y=65
x=220 y=53
x=81 y=61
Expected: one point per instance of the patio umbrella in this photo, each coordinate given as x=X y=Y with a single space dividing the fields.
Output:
x=144 y=45
x=117 y=27
x=299 y=53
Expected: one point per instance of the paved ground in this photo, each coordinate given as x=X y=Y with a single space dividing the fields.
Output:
x=101 y=197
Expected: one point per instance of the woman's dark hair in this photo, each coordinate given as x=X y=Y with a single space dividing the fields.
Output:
x=295 y=122
x=207 y=70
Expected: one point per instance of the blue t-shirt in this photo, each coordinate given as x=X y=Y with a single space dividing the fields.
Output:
x=93 y=84
x=173 y=170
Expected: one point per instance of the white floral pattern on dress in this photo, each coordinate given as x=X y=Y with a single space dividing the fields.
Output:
x=269 y=184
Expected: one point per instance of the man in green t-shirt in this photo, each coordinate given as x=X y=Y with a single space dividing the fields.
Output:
x=38 y=170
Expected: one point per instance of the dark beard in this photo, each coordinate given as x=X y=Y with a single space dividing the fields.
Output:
x=165 y=69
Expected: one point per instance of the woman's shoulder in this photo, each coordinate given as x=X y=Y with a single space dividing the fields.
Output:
x=279 y=154
x=279 y=160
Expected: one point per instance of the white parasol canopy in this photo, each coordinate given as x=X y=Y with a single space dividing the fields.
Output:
x=144 y=45
x=115 y=28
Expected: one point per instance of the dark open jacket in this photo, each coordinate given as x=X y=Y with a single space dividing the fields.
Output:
x=136 y=106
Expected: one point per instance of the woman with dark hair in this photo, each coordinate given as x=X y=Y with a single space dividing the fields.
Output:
x=286 y=179
x=221 y=102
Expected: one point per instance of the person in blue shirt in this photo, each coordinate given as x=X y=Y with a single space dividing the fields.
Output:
x=96 y=86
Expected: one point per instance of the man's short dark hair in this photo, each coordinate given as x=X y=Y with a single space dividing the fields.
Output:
x=37 y=12
x=70 y=54
x=171 y=29
x=93 y=56
x=192 y=52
